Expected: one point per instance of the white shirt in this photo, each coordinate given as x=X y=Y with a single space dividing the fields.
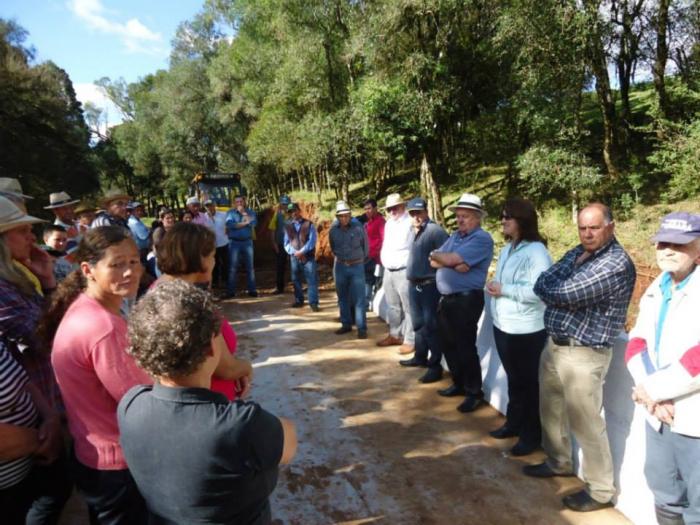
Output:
x=219 y=227
x=397 y=242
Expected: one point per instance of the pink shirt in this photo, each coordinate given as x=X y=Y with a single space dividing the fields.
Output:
x=93 y=372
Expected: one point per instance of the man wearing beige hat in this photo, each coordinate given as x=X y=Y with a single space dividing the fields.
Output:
x=115 y=213
x=348 y=240
x=63 y=208
x=12 y=189
x=463 y=264
x=394 y=256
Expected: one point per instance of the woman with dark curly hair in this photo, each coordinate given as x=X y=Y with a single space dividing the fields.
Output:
x=187 y=252
x=217 y=461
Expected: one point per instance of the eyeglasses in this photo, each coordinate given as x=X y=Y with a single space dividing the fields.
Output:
x=506 y=217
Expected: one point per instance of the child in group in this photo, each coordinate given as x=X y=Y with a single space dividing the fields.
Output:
x=56 y=243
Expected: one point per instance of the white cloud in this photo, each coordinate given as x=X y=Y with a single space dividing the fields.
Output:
x=111 y=116
x=136 y=37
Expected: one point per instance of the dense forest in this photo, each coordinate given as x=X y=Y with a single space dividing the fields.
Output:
x=564 y=99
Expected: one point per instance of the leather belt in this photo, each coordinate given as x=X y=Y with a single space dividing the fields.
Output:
x=396 y=269
x=460 y=294
x=350 y=262
x=570 y=341
x=422 y=282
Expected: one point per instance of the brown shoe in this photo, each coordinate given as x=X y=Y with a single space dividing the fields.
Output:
x=389 y=340
x=406 y=349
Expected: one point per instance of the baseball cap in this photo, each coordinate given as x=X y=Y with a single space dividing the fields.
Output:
x=417 y=204
x=679 y=227
x=192 y=200
x=292 y=206
x=285 y=200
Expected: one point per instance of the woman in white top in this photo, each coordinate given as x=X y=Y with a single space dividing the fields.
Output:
x=518 y=321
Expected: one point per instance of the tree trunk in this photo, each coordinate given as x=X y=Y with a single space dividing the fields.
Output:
x=432 y=191
x=606 y=102
x=659 y=67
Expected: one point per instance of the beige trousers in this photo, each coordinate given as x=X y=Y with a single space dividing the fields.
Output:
x=571 y=399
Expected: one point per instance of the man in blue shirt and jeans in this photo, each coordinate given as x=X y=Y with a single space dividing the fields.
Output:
x=240 y=227
x=462 y=264
x=587 y=293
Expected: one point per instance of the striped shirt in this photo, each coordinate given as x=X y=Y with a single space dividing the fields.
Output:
x=588 y=301
x=16 y=408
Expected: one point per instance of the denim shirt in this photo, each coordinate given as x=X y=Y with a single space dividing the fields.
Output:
x=518 y=310
x=349 y=244
x=233 y=217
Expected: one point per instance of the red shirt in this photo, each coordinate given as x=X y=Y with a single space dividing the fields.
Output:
x=375 y=234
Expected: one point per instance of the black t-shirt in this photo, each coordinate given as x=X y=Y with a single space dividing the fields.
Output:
x=198 y=458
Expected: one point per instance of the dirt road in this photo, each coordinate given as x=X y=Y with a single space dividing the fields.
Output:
x=376 y=446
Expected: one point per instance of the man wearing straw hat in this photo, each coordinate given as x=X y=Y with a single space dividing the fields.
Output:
x=115 y=213
x=394 y=256
x=12 y=189
x=349 y=244
x=463 y=264
x=63 y=208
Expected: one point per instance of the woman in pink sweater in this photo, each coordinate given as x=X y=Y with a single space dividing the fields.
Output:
x=94 y=371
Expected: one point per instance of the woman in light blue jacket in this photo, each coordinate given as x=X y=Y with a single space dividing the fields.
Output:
x=518 y=321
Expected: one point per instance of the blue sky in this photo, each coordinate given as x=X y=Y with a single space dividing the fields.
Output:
x=91 y=39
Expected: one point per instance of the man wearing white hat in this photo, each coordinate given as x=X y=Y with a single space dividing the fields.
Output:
x=12 y=189
x=463 y=264
x=394 y=256
x=63 y=208
x=194 y=207
x=348 y=240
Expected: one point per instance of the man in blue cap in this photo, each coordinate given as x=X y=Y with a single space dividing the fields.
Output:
x=423 y=294
x=276 y=227
x=663 y=356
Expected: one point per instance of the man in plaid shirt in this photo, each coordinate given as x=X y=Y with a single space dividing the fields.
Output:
x=587 y=293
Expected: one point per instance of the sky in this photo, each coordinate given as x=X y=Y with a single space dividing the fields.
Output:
x=91 y=39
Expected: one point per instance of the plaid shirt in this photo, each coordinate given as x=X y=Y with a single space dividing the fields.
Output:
x=588 y=302
x=19 y=316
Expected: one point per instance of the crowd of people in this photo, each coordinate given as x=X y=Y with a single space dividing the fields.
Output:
x=150 y=395
x=554 y=326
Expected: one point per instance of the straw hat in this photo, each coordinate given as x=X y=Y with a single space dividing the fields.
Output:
x=341 y=208
x=12 y=187
x=11 y=216
x=59 y=199
x=84 y=207
x=469 y=201
x=114 y=194
x=392 y=200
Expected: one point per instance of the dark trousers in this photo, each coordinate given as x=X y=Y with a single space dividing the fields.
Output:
x=281 y=258
x=424 y=300
x=52 y=489
x=520 y=356
x=111 y=496
x=458 y=316
x=220 y=273
x=672 y=469
x=39 y=498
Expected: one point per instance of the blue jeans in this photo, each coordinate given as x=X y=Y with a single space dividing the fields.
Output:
x=308 y=269
x=672 y=469
x=350 y=287
x=240 y=251
x=424 y=300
